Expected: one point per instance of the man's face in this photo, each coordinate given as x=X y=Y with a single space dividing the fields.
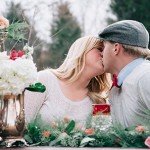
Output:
x=107 y=55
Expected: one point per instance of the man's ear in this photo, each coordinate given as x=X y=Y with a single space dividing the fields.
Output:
x=117 y=48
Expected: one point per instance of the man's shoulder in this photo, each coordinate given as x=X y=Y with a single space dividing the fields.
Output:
x=142 y=68
x=145 y=63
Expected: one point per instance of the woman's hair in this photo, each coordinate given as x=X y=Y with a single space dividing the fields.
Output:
x=74 y=64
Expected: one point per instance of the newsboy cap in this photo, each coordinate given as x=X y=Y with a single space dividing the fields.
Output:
x=127 y=32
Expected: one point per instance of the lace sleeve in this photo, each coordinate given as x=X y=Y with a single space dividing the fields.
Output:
x=33 y=100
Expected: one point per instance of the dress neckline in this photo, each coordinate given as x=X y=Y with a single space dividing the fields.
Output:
x=67 y=99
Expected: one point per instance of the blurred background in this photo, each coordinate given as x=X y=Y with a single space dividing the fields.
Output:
x=56 y=24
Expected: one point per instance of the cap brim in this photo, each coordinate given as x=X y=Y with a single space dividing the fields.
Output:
x=98 y=37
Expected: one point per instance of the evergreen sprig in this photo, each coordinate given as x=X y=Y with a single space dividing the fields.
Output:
x=16 y=31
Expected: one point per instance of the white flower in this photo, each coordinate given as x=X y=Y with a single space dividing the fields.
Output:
x=3 y=56
x=28 y=49
x=16 y=75
x=28 y=52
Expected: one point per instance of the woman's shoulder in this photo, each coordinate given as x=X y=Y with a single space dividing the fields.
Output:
x=46 y=72
x=46 y=76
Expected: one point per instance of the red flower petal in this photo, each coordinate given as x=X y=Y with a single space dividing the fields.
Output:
x=20 y=53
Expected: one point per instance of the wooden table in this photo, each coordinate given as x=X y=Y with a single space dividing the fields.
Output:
x=66 y=148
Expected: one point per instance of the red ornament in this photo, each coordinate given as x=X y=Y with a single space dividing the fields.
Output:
x=101 y=108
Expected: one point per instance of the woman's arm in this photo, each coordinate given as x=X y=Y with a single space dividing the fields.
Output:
x=33 y=101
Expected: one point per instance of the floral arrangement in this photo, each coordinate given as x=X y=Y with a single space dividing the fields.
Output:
x=17 y=71
x=98 y=132
x=17 y=68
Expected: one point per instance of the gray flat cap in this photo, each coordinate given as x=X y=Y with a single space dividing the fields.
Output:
x=128 y=32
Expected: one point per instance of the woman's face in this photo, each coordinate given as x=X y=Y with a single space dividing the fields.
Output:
x=93 y=61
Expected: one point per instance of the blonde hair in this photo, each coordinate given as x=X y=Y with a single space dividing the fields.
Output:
x=136 y=51
x=74 y=64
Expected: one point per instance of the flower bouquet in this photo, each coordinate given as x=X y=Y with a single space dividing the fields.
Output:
x=18 y=72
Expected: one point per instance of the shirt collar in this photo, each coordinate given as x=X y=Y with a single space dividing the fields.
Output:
x=128 y=69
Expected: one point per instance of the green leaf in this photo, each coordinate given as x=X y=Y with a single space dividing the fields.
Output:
x=60 y=137
x=131 y=128
x=17 y=31
x=70 y=126
x=85 y=141
x=38 y=87
x=28 y=139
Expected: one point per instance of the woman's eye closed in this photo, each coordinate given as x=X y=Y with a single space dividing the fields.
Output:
x=100 y=49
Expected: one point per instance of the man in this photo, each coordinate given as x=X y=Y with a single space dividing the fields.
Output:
x=124 y=53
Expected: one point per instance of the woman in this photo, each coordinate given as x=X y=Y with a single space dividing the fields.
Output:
x=73 y=87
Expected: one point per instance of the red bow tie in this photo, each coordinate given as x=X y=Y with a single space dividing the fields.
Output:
x=115 y=81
